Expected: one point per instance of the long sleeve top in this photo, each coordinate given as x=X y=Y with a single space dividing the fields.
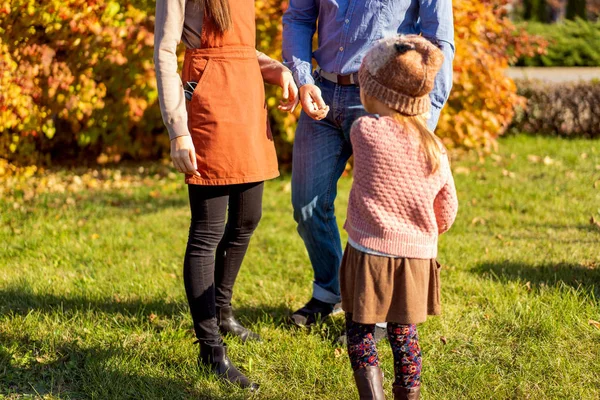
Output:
x=348 y=28
x=181 y=21
x=396 y=206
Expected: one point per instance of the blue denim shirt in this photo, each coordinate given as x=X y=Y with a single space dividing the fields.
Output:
x=348 y=28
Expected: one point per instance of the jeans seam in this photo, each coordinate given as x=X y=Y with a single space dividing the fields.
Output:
x=327 y=219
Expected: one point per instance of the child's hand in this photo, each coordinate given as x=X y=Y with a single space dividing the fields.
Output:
x=312 y=102
x=290 y=92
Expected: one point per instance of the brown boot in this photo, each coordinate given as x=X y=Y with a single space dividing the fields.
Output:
x=402 y=393
x=369 y=381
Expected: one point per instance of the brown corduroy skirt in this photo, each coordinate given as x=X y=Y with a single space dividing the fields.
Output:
x=385 y=289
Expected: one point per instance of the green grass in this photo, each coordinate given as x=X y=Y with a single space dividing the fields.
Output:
x=92 y=302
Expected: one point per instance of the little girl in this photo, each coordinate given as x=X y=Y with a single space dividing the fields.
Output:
x=402 y=198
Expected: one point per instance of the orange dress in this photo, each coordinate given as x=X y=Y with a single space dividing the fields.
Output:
x=227 y=114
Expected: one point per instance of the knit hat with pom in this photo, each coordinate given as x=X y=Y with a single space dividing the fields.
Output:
x=400 y=72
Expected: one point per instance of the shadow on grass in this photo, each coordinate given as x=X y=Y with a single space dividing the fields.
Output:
x=21 y=300
x=279 y=316
x=578 y=276
x=90 y=372
x=276 y=315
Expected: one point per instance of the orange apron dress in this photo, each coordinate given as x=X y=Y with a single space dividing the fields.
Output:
x=227 y=114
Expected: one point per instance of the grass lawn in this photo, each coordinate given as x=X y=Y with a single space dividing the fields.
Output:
x=92 y=302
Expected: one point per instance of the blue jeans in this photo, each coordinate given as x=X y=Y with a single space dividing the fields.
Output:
x=321 y=151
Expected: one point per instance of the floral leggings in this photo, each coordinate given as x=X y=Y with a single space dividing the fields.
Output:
x=404 y=340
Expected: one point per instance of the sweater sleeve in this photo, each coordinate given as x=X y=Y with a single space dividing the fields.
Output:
x=270 y=69
x=170 y=16
x=445 y=204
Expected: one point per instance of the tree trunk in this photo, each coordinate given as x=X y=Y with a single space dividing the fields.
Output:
x=576 y=8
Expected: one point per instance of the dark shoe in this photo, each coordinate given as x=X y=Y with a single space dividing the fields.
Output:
x=311 y=312
x=380 y=333
x=369 y=382
x=215 y=358
x=229 y=325
x=402 y=393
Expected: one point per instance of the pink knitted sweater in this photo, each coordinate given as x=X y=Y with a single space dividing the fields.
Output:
x=396 y=207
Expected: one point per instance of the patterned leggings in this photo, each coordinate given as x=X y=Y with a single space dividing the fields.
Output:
x=404 y=340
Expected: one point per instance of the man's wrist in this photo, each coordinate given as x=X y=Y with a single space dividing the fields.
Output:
x=303 y=78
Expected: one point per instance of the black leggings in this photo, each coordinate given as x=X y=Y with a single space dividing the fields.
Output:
x=215 y=251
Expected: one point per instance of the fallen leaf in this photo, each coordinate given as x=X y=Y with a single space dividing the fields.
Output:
x=478 y=221
x=594 y=221
x=533 y=158
x=589 y=264
x=443 y=340
x=473 y=201
x=584 y=156
x=152 y=317
x=528 y=285
x=486 y=317
x=496 y=157
x=506 y=172
x=338 y=352
x=548 y=161
x=597 y=184
x=595 y=324
x=499 y=237
x=462 y=171
x=570 y=174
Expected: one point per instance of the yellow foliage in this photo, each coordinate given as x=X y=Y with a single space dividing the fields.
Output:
x=78 y=81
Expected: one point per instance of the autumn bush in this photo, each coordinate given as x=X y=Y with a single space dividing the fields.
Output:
x=483 y=99
x=78 y=82
x=567 y=109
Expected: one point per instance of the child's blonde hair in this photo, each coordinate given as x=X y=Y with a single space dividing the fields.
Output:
x=430 y=144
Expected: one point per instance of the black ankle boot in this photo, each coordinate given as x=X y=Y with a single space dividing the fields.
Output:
x=215 y=358
x=229 y=325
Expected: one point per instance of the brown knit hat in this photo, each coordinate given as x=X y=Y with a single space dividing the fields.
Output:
x=400 y=72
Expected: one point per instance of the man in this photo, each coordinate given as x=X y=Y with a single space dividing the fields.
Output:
x=330 y=101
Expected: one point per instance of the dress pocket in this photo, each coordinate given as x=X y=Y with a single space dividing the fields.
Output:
x=195 y=76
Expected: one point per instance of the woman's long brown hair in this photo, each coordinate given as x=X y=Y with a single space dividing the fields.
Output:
x=220 y=14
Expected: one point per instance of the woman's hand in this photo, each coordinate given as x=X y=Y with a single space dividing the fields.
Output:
x=183 y=155
x=290 y=92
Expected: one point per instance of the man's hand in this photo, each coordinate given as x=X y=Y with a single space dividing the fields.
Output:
x=290 y=92
x=312 y=102
x=183 y=155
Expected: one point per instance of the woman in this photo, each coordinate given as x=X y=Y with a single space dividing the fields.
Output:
x=217 y=122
